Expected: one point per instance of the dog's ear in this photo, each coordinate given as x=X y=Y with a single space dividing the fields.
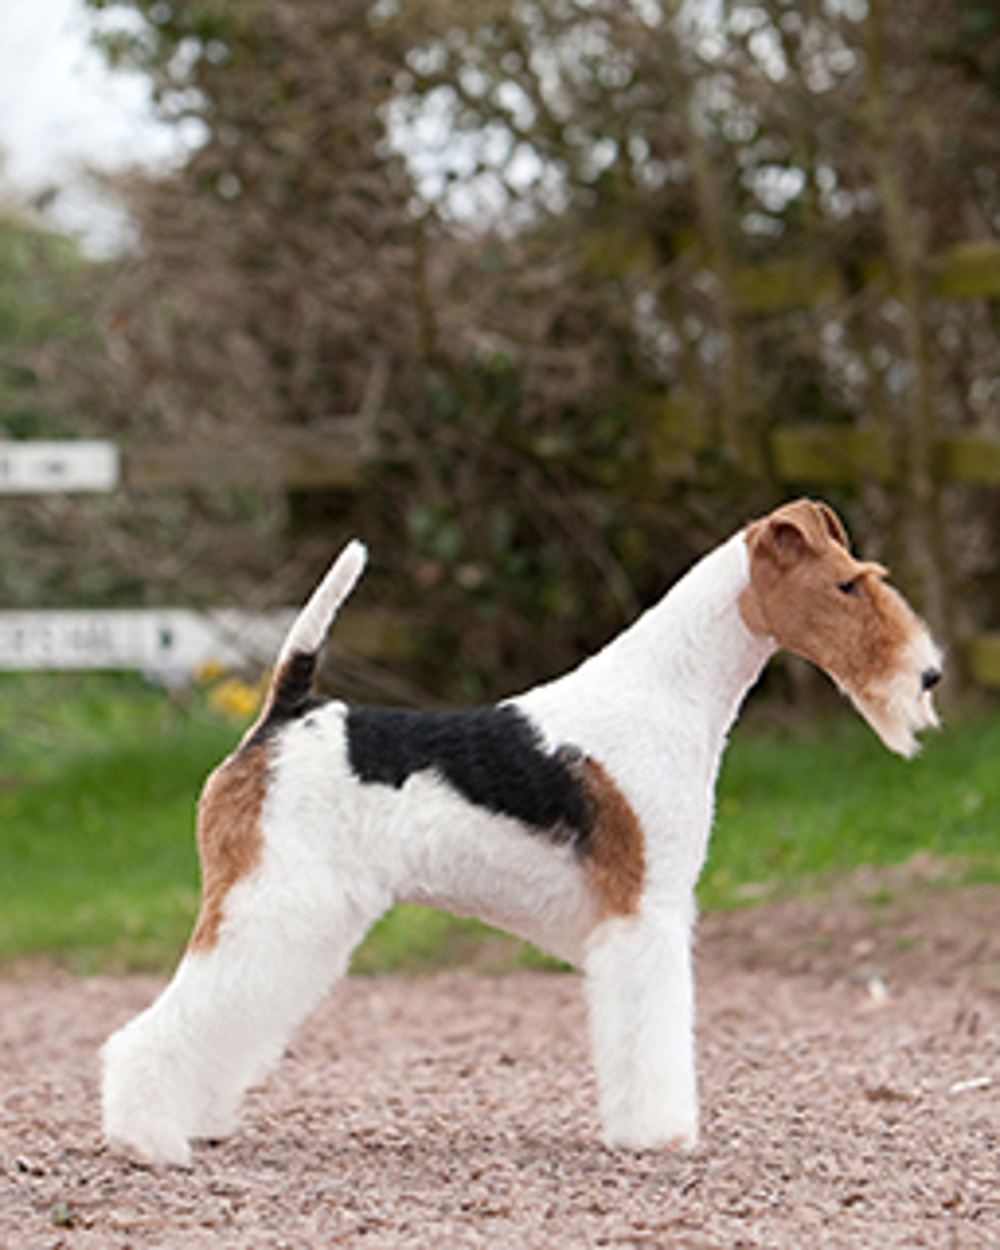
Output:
x=795 y=530
x=773 y=545
x=833 y=525
x=779 y=543
x=785 y=541
x=779 y=540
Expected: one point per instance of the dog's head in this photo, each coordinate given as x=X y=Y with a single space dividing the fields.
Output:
x=813 y=597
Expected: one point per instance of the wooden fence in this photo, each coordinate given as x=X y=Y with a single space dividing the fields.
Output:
x=804 y=455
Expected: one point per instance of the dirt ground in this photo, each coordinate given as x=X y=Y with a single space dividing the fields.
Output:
x=849 y=1055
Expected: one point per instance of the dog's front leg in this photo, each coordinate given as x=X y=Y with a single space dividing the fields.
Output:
x=641 y=1006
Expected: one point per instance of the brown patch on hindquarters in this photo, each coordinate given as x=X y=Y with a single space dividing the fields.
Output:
x=616 y=862
x=230 y=841
x=813 y=597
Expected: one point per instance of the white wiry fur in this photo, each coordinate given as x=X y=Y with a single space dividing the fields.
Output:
x=653 y=707
x=310 y=626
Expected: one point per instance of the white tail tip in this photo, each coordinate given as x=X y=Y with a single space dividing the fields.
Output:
x=312 y=623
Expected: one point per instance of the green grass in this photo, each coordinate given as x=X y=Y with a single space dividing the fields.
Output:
x=825 y=798
x=99 y=777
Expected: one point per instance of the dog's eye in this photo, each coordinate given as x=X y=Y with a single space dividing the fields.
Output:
x=848 y=587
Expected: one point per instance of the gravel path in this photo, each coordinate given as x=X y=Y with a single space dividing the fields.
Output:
x=850 y=1064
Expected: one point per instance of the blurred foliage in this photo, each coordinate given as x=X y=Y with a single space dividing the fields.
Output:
x=561 y=269
x=43 y=327
x=974 y=42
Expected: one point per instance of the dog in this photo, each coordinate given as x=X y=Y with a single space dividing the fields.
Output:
x=576 y=815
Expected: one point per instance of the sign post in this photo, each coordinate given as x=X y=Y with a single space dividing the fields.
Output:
x=168 y=642
x=79 y=465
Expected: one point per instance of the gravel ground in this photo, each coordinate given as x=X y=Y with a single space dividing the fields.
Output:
x=849 y=1051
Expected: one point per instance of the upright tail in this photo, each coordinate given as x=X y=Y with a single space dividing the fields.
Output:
x=291 y=685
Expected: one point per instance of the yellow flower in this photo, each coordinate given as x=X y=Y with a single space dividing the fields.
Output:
x=208 y=672
x=236 y=699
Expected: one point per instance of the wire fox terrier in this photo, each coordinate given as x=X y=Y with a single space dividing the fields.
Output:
x=576 y=815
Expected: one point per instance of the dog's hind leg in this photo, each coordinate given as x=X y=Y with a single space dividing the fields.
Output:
x=641 y=1009
x=178 y=1071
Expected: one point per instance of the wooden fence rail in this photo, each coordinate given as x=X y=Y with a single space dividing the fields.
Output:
x=965 y=271
x=290 y=459
x=834 y=455
x=802 y=455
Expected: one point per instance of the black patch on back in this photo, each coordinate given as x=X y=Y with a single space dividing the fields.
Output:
x=494 y=757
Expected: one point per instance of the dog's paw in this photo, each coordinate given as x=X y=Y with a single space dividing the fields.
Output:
x=217 y=1126
x=151 y=1148
x=637 y=1137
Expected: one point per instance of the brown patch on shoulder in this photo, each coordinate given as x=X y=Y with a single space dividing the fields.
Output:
x=616 y=862
x=230 y=842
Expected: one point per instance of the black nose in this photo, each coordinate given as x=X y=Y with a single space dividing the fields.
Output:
x=929 y=678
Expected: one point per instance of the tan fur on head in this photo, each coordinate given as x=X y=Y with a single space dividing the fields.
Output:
x=810 y=595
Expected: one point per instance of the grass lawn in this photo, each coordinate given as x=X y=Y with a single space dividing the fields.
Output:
x=98 y=780
x=99 y=777
x=795 y=807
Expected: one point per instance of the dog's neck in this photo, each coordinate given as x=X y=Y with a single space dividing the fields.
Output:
x=691 y=658
x=694 y=644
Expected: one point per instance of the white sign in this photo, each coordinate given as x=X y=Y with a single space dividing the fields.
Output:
x=167 y=641
x=35 y=467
